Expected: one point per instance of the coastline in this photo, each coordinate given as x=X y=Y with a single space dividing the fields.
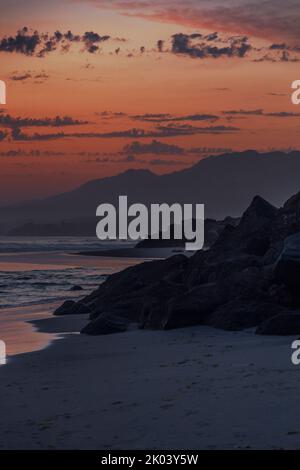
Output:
x=18 y=329
x=191 y=388
x=136 y=253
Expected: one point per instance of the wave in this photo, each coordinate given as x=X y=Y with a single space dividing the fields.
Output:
x=38 y=244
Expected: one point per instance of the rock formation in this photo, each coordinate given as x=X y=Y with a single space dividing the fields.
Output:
x=248 y=278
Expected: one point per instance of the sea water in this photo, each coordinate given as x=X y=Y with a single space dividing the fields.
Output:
x=37 y=274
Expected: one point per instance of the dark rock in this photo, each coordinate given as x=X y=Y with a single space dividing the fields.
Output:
x=66 y=308
x=283 y=324
x=280 y=294
x=181 y=308
x=154 y=306
x=69 y=307
x=292 y=205
x=257 y=215
x=105 y=324
x=76 y=288
x=253 y=231
x=287 y=222
x=287 y=269
x=124 y=293
x=238 y=314
x=258 y=245
x=198 y=305
x=191 y=308
x=80 y=308
x=212 y=228
x=249 y=275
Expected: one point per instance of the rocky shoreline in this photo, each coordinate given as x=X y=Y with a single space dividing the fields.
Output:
x=248 y=278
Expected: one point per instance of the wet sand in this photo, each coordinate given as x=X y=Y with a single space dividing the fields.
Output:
x=195 y=388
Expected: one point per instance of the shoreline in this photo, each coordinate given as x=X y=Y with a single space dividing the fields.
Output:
x=18 y=329
x=135 y=253
x=193 y=388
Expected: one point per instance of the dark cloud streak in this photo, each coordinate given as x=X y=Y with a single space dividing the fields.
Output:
x=34 y=43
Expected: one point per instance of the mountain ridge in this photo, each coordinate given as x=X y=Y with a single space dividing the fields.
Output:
x=225 y=183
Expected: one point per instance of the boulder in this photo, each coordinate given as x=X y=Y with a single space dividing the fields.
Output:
x=105 y=324
x=66 y=308
x=154 y=307
x=252 y=234
x=76 y=288
x=70 y=307
x=258 y=245
x=124 y=293
x=249 y=276
x=238 y=315
x=287 y=268
x=192 y=307
x=284 y=324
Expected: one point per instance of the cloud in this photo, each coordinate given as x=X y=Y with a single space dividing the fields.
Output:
x=106 y=115
x=277 y=94
x=29 y=76
x=261 y=112
x=244 y=112
x=18 y=135
x=159 y=132
x=170 y=118
x=134 y=159
x=92 y=40
x=177 y=130
x=6 y=120
x=267 y=19
x=30 y=153
x=154 y=147
x=160 y=45
x=209 y=150
x=34 y=43
x=2 y=135
x=20 y=77
x=282 y=114
x=195 y=45
x=170 y=131
x=182 y=44
x=278 y=47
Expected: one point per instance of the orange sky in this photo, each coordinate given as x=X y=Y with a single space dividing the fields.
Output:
x=134 y=82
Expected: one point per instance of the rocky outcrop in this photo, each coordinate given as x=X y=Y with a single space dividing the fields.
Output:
x=76 y=288
x=212 y=230
x=238 y=314
x=246 y=279
x=287 y=269
x=70 y=307
x=284 y=324
x=105 y=325
x=66 y=308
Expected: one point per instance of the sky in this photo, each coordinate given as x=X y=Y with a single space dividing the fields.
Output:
x=96 y=87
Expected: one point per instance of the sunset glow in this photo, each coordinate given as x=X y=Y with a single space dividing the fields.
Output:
x=137 y=72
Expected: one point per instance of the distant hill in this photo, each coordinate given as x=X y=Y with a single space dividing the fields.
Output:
x=73 y=228
x=226 y=184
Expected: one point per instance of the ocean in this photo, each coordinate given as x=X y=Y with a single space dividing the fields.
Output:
x=36 y=274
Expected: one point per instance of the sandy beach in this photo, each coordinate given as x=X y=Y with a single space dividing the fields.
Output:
x=194 y=388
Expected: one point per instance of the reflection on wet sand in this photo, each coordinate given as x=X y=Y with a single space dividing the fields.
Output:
x=21 y=336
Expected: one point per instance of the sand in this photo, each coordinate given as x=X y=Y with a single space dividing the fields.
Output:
x=195 y=388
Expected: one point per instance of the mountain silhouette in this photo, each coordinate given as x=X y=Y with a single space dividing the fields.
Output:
x=226 y=184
